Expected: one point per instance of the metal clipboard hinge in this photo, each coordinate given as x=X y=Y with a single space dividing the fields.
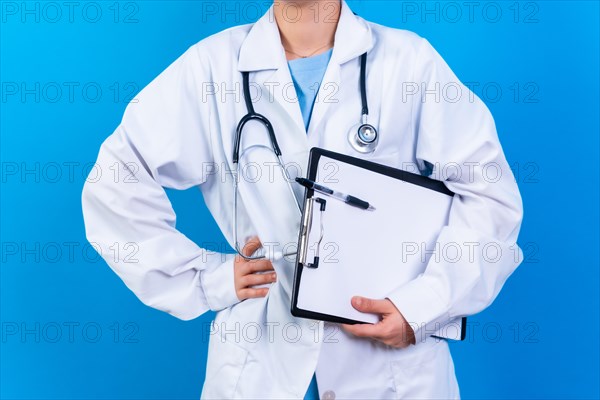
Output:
x=306 y=228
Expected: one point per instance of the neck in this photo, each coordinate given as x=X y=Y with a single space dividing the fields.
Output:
x=306 y=27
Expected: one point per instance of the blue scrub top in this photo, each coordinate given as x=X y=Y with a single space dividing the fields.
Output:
x=307 y=74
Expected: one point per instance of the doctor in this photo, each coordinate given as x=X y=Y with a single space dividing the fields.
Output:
x=180 y=132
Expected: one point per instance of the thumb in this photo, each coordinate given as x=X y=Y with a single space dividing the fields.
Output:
x=366 y=305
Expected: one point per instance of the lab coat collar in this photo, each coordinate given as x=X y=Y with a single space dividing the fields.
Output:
x=262 y=49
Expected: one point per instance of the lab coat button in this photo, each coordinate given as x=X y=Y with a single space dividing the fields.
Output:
x=329 y=395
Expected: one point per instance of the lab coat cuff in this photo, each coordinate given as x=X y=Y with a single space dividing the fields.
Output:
x=421 y=306
x=219 y=286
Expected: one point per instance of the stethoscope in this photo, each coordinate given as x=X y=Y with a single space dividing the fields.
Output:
x=362 y=137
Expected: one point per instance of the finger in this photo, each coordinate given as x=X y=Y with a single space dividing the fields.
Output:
x=366 y=305
x=251 y=246
x=249 y=293
x=257 y=266
x=364 y=330
x=248 y=267
x=257 y=279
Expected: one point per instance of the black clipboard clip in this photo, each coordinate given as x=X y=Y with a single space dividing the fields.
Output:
x=306 y=228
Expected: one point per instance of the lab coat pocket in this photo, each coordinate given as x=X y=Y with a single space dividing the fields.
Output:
x=424 y=371
x=226 y=360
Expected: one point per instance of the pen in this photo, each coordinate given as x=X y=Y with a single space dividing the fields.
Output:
x=346 y=198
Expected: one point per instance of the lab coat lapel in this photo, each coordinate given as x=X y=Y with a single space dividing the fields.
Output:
x=262 y=53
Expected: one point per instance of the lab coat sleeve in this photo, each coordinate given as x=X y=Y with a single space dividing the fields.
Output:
x=162 y=142
x=476 y=251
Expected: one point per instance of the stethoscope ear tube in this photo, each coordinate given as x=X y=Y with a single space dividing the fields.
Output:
x=250 y=116
x=238 y=134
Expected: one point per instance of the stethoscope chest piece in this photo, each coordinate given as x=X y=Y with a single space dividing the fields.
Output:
x=363 y=138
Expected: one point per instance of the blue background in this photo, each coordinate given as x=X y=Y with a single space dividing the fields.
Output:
x=538 y=340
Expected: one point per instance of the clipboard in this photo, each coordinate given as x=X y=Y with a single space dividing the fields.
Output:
x=345 y=251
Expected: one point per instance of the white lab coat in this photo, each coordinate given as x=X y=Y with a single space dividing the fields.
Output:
x=179 y=133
